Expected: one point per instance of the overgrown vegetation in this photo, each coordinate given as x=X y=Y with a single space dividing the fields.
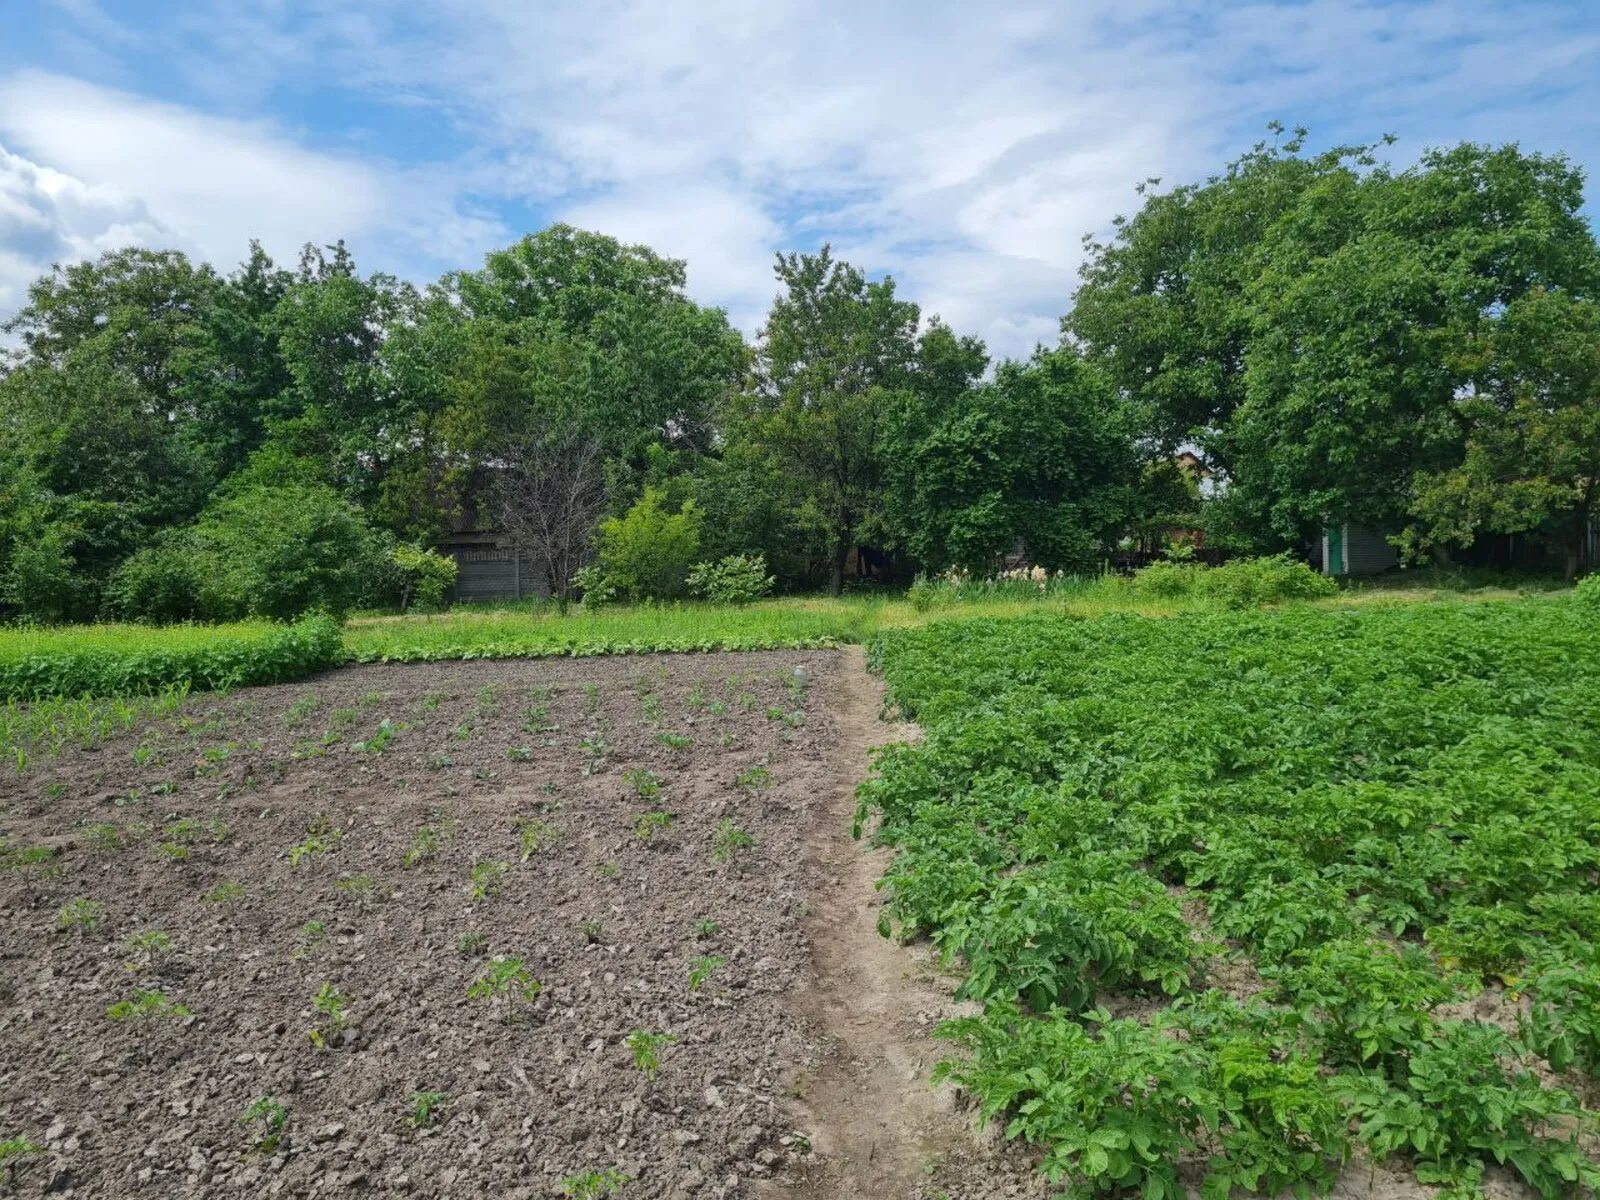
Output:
x=1385 y=811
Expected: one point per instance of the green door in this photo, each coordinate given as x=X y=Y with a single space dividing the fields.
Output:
x=1336 y=550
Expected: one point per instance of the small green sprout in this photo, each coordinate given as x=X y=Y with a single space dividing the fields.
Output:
x=594 y=1185
x=646 y=1050
x=705 y=927
x=648 y=823
x=593 y=932
x=80 y=913
x=363 y=889
x=269 y=1117
x=379 y=741
x=424 y=846
x=535 y=836
x=472 y=943
x=488 y=878
x=330 y=1004
x=150 y=945
x=427 y=1108
x=702 y=970
x=608 y=870
x=646 y=783
x=226 y=892
x=505 y=977
x=675 y=741
x=753 y=779
x=520 y=754
x=147 y=1004
x=728 y=840
x=312 y=934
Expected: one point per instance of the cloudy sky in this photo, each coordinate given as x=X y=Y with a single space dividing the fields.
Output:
x=963 y=147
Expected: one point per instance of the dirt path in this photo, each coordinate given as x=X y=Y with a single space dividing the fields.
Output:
x=879 y=1128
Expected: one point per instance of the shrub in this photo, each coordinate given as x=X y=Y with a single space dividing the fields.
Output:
x=283 y=551
x=1248 y=581
x=39 y=581
x=594 y=586
x=735 y=579
x=425 y=576
x=162 y=583
x=1588 y=591
x=645 y=554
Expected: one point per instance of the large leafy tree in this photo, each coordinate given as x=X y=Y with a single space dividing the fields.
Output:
x=1374 y=311
x=838 y=351
x=1041 y=457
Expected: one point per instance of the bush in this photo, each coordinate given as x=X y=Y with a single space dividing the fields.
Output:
x=425 y=576
x=163 y=583
x=1242 y=583
x=100 y=660
x=1588 y=591
x=283 y=551
x=735 y=579
x=39 y=582
x=594 y=586
x=645 y=554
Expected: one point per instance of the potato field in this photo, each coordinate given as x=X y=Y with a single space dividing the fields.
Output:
x=1247 y=896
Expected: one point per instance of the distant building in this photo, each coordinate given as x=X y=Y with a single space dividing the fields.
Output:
x=1356 y=550
x=488 y=568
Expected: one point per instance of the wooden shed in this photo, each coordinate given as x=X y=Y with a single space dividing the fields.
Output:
x=1356 y=550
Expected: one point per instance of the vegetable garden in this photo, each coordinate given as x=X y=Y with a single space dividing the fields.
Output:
x=1243 y=895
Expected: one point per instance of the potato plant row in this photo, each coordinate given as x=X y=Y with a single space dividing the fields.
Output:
x=1245 y=894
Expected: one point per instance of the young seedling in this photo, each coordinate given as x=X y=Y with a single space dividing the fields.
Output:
x=646 y=1050
x=147 y=1004
x=534 y=836
x=505 y=979
x=729 y=840
x=151 y=947
x=330 y=1005
x=362 y=889
x=297 y=712
x=431 y=702
x=593 y=932
x=536 y=718
x=647 y=823
x=675 y=741
x=226 y=892
x=703 y=969
x=487 y=879
x=594 y=1185
x=312 y=934
x=322 y=836
x=80 y=914
x=646 y=783
x=650 y=707
x=106 y=838
x=14 y=1153
x=472 y=943
x=705 y=927
x=608 y=870
x=753 y=779
x=427 y=1108
x=268 y=1117
x=440 y=761
x=697 y=697
x=488 y=698
x=520 y=754
x=595 y=747
x=379 y=741
x=591 y=698
x=424 y=846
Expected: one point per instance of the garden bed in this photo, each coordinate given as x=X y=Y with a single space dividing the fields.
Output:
x=217 y=869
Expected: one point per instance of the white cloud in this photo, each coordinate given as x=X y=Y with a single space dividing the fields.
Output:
x=965 y=148
x=213 y=182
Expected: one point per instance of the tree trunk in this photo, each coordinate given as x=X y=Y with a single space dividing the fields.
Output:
x=841 y=552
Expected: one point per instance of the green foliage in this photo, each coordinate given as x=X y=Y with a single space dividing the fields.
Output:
x=331 y=1009
x=80 y=914
x=427 y=1108
x=1239 y=583
x=425 y=577
x=268 y=1116
x=732 y=579
x=1347 y=795
x=147 y=1005
x=505 y=978
x=728 y=840
x=645 y=554
x=646 y=1049
x=488 y=878
x=1587 y=592
x=703 y=969
x=14 y=1150
x=121 y=660
x=594 y=1185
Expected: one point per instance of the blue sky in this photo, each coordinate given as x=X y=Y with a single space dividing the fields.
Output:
x=966 y=148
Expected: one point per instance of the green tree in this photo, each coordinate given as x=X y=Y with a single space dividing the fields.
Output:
x=646 y=553
x=1042 y=456
x=836 y=353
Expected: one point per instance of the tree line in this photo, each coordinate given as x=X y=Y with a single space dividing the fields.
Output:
x=1416 y=350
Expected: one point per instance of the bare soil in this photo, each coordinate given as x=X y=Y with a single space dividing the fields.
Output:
x=189 y=825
